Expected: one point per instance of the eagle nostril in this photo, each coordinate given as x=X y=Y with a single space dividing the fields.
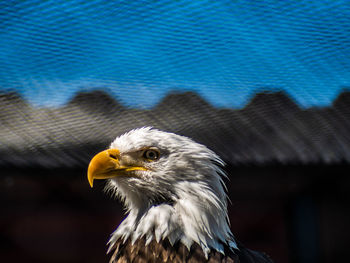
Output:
x=113 y=156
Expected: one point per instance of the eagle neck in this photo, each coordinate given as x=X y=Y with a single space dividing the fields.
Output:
x=189 y=220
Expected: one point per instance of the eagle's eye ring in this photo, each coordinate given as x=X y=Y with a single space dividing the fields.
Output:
x=151 y=154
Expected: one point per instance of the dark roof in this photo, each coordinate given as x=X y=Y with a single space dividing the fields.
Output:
x=270 y=129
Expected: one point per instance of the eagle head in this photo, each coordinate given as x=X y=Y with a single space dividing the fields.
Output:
x=171 y=186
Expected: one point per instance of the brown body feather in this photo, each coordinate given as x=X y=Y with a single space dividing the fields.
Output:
x=165 y=252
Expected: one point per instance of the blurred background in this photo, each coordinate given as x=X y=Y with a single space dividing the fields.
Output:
x=262 y=83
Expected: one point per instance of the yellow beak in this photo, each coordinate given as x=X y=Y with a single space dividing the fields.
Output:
x=105 y=165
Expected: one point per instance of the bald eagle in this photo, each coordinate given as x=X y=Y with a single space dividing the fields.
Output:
x=173 y=191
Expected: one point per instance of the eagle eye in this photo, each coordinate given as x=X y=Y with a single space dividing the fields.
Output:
x=151 y=154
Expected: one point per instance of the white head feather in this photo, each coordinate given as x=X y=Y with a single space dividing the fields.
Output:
x=181 y=197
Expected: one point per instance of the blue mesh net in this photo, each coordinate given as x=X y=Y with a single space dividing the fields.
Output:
x=140 y=50
x=58 y=55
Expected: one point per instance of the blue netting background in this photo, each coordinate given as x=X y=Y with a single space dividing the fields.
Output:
x=139 y=50
x=262 y=83
x=76 y=68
